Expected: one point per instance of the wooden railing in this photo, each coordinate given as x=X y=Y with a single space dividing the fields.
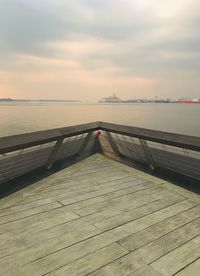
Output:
x=20 y=154
x=24 y=153
x=22 y=141
x=172 y=139
x=176 y=153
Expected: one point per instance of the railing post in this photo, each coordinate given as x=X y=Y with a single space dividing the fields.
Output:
x=148 y=154
x=85 y=143
x=54 y=152
x=113 y=144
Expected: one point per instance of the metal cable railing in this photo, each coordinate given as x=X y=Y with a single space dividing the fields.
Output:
x=32 y=151
x=178 y=159
x=21 y=154
x=70 y=146
x=25 y=160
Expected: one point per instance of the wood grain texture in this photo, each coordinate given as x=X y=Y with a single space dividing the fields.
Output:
x=179 y=258
x=99 y=217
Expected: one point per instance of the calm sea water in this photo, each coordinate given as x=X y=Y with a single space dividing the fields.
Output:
x=19 y=117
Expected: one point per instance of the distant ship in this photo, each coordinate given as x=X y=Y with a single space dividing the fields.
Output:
x=115 y=99
x=193 y=101
x=111 y=99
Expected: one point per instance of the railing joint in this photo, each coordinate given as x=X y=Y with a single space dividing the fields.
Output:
x=148 y=154
x=54 y=152
x=113 y=144
x=85 y=143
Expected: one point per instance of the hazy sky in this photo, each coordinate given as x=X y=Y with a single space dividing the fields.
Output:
x=88 y=49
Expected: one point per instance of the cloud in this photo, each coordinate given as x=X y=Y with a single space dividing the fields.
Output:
x=124 y=39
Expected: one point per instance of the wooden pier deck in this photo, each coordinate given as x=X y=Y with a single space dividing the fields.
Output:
x=99 y=217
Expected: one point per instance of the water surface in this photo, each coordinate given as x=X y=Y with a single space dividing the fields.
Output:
x=22 y=117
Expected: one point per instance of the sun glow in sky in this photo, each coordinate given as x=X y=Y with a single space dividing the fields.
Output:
x=89 y=49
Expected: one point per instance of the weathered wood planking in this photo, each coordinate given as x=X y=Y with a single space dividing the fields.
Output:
x=179 y=258
x=160 y=229
x=192 y=269
x=100 y=217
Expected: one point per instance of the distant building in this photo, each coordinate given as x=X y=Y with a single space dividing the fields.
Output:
x=111 y=99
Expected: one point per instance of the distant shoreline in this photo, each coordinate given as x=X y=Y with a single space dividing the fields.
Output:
x=25 y=100
x=188 y=102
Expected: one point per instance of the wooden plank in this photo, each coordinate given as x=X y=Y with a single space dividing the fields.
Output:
x=60 y=178
x=105 y=190
x=56 y=249
x=95 y=178
x=134 y=214
x=25 y=206
x=32 y=232
x=39 y=221
x=87 y=186
x=50 y=262
x=144 y=222
x=126 y=265
x=192 y=269
x=71 y=262
x=176 y=189
x=30 y=238
x=108 y=196
x=179 y=258
x=156 y=231
x=45 y=247
x=47 y=243
x=27 y=213
x=69 y=177
x=126 y=205
x=26 y=197
x=93 y=182
x=158 y=216
x=91 y=262
x=14 y=241
x=71 y=182
x=127 y=201
x=166 y=243
x=15 y=256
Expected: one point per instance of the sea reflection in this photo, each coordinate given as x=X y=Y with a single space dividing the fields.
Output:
x=19 y=117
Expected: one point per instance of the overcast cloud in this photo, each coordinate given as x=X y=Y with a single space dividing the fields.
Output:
x=88 y=49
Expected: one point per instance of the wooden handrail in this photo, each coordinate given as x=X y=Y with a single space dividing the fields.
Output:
x=21 y=141
x=172 y=139
x=17 y=142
